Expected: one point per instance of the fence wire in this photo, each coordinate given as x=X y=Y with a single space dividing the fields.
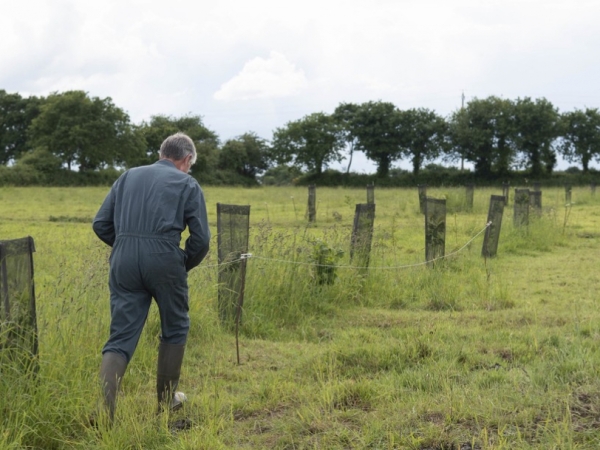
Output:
x=303 y=263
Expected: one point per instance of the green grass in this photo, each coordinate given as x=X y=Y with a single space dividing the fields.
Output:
x=490 y=354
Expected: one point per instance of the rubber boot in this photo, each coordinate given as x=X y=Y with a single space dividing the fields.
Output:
x=112 y=370
x=170 y=357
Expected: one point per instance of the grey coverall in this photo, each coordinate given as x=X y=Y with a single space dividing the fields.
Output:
x=142 y=219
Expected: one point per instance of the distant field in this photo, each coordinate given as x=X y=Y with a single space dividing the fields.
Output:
x=475 y=354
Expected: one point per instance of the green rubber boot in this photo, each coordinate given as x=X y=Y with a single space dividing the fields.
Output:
x=112 y=370
x=170 y=357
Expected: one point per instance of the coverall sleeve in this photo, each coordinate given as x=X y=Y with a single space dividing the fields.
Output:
x=104 y=225
x=196 y=245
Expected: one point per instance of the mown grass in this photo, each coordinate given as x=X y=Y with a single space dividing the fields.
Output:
x=491 y=354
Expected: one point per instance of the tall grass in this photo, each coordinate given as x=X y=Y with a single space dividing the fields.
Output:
x=496 y=353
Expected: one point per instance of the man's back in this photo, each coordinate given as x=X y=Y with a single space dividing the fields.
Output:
x=156 y=201
x=151 y=200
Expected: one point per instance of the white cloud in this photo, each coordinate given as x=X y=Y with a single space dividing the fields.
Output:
x=260 y=78
x=201 y=56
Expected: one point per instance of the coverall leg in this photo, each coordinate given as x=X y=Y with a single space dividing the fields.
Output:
x=141 y=269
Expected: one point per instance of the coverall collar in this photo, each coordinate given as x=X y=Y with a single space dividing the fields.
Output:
x=165 y=162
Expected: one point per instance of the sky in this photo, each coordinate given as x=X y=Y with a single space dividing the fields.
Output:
x=256 y=65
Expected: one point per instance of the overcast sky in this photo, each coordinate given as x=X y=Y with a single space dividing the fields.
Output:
x=255 y=65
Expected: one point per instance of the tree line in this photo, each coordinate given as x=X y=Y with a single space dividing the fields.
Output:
x=72 y=135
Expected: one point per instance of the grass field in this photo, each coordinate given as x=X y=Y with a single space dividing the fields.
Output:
x=475 y=354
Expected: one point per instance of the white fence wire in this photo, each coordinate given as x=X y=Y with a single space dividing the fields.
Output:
x=304 y=263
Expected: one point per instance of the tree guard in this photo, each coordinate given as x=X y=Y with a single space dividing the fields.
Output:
x=535 y=201
x=521 y=208
x=18 y=322
x=311 y=211
x=233 y=225
x=435 y=229
x=362 y=234
x=505 y=192
x=469 y=192
x=568 y=190
x=492 y=233
x=371 y=193
x=422 y=197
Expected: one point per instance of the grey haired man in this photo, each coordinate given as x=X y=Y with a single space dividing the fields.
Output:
x=142 y=219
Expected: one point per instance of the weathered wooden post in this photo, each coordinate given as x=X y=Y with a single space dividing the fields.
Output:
x=18 y=320
x=362 y=234
x=492 y=233
x=371 y=193
x=536 y=186
x=469 y=192
x=521 y=208
x=233 y=225
x=505 y=192
x=568 y=190
x=535 y=201
x=435 y=229
x=422 y=197
x=312 y=203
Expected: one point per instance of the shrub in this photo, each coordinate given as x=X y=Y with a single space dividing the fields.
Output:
x=42 y=161
x=281 y=175
x=326 y=259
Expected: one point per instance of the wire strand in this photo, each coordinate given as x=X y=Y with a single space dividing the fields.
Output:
x=302 y=263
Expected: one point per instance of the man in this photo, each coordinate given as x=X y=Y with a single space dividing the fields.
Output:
x=142 y=219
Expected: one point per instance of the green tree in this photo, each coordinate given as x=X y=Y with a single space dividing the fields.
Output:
x=313 y=141
x=89 y=132
x=581 y=136
x=376 y=127
x=16 y=114
x=160 y=127
x=537 y=126
x=132 y=145
x=423 y=135
x=248 y=155
x=483 y=133
x=345 y=115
